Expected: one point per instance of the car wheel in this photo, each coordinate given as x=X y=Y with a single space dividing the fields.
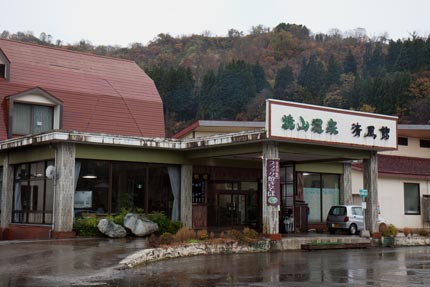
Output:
x=332 y=230
x=353 y=229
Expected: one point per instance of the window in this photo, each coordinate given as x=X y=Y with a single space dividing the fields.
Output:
x=425 y=143
x=412 y=198
x=33 y=194
x=31 y=119
x=321 y=191
x=34 y=111
x=4 y=66
x=338 y=211
x=357 y=211
x=402 y=141
x=2 y=71
x=105 y=187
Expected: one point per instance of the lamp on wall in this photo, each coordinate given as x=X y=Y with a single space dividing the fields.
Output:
x=89 y=176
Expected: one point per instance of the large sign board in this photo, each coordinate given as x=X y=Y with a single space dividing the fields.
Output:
x=317 y=124
x=273 y=182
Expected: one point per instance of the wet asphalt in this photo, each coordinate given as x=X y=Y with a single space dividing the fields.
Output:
x=92 y=262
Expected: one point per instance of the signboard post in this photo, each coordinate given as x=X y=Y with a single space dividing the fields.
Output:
x=363 y=194
x=273 y=183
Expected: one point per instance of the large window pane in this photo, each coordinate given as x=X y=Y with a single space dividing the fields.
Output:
x=312 y=196
x=412 y=198
x=330 y=193
x=93 y=186
x=129 y=186
x=160 y=192
x=21 y=119
x=42 y=119
x=33 y=196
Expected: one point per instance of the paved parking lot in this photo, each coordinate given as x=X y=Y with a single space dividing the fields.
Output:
x=62 y=262
x=91 y=262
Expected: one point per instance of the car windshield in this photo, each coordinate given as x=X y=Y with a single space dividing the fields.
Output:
x=338 y=210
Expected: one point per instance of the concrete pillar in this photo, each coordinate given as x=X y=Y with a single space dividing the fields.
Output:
x=186 y=195
x=64 y=187
x=270 y=212
x=370 y=182
x=346 y=184
x=7 y=193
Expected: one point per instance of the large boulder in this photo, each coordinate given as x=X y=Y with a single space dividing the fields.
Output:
x=111 y=229
x=139 y=225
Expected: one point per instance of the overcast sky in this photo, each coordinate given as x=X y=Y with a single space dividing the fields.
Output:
x=126 y=21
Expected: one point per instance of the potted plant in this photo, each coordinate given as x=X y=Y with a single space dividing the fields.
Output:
x=389 y=234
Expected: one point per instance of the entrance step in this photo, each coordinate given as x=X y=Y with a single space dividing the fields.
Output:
x=335 y=245
x=296 y=242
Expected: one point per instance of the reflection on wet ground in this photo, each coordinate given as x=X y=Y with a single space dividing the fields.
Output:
x=380 y=267
x=90 y=262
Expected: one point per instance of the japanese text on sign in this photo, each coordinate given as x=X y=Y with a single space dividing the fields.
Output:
x=273 y=183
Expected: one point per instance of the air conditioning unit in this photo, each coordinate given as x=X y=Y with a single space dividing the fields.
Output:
x=426 y=207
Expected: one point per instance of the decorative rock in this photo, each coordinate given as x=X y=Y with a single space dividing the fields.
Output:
x=111 y=229
x=139 y=225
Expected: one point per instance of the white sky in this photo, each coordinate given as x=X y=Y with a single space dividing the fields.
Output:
x=126 y=21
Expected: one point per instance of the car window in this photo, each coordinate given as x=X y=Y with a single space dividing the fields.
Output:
x=357 y=211
x=338 y=210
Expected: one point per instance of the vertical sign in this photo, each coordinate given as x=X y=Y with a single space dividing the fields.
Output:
x=273 y=182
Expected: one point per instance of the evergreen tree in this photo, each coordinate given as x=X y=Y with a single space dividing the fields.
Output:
x=284 y=80
x=394 y=48
x=350 y=64
x=312 y=78
x=333 y=71
x=206 y=94
x=259 y=76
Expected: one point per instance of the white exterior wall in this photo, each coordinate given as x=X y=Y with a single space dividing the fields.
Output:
x=391 y=199
x=413 y=149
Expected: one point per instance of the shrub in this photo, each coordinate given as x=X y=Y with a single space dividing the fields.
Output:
x=391 y=231
x=248 y=236
x=202 y=234
x=407 y=231
x=164 y=223
x=250 y=233
x=167 y=238
x=87 y=226
x=382 y=227
x=423 y=232
x=184 y=234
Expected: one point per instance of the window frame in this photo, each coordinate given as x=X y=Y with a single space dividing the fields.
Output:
x=5 y=61
x=403 y=141
x=418 y=198
x=36 y=97
x=424 y=143
x=31 y=119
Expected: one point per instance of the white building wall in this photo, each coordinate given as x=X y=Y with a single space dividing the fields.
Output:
x=391 y=199
x=413 y=149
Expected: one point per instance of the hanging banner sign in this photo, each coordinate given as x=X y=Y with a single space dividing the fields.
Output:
x=273 y=182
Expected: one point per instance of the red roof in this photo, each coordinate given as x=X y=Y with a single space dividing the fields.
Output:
x=401 y=165
x=100 y=94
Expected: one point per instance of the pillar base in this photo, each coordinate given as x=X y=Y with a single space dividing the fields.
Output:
x=273 y=237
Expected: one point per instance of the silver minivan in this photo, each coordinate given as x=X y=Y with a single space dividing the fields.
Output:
x=345 y=217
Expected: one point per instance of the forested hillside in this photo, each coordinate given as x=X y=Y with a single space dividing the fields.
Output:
x=229 y=78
